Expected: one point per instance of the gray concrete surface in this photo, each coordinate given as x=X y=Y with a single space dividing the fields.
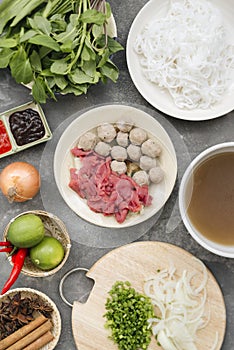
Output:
x=190 y=139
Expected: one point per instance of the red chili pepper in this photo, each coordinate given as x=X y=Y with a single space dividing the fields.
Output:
x=18 y=261
x=6 y=250
x=6 y=243
x=7 y=247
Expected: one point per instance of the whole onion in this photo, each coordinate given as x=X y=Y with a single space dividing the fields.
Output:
x=19 y=181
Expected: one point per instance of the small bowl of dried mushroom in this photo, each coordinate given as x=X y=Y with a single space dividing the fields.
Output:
x=45 y=237
x=29 y=319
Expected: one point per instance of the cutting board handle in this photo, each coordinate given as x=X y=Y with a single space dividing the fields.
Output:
x=63 y=280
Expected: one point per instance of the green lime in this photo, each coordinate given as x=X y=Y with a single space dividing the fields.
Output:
x=47 y=254
x=26 y=231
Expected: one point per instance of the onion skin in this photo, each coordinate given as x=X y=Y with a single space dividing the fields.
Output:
x=19 y=181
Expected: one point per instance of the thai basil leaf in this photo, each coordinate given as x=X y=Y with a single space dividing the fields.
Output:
x=39 y=90
x=58 y=23
x=27 y=35
x=41 y=24
x=35 y=61
x=48 y=8
x=97 y=31
x=9 y=9
x=5 y=56
x=59 y=67
x=44 y=51
x=67 y=47
x=76 y=90
x=60 y=81
x=74 y=19
x=110 y=71
x=79 y=77
x=26 y=10
x=87 y=52
x=112 y=44
x=50 y=83
x=47 y=73
x=69 y=34
x=47 y=62
x=21 y=68
x=104 y=58
x=44 y=40
x=89 y=68
x=93 y=16
x=8 y=42
x=6 y=5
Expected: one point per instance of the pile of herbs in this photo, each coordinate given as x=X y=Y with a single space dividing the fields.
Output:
x=57 y=45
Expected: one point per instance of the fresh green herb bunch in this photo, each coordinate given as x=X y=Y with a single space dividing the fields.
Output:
x=127 y=315
x=57 y=45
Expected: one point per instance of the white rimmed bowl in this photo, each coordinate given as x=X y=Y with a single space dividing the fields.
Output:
x=55 y=315
x=185 y=192
x=91 y=119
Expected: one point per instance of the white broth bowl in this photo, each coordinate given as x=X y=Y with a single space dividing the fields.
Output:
x=185 y=192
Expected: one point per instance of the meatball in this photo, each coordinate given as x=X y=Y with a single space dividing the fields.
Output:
x=118 y=167
x=102 y=148
x=141 y=177
x=137 y=136
x=122 y=139
x=106 y=132
x=87 y=141
x=134 y=152
x=124 y=126
x=156 y=174
x=119 y=153
x=146 y=163
x=151 y=148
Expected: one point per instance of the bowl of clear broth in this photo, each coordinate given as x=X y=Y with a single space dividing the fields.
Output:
x=206 y=199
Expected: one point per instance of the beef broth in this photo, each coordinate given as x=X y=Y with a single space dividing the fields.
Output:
x=211 y=209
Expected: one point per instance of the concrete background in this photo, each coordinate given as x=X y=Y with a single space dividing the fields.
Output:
x=190 y=139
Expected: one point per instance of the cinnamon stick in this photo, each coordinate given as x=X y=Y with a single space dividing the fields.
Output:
x=38 y=343
x=31 y=337
x=22 y=332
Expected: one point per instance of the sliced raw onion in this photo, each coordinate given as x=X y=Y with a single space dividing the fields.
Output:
x=180 y=308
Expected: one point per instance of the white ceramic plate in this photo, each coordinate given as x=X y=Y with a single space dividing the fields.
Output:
x=161 y=100
x=63 y=161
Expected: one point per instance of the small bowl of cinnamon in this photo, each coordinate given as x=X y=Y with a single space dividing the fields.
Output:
x=29 y=320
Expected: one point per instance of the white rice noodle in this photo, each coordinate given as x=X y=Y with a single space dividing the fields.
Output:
x=187 y=53
x=180 y=307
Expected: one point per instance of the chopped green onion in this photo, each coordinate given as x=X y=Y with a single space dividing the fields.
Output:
x=127 y=315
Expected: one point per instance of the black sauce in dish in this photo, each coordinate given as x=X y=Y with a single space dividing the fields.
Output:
x=26 y=126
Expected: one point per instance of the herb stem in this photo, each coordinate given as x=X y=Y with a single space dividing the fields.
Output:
x=82 y=40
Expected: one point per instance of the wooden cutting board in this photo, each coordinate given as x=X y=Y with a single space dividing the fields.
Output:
x=135 y=262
